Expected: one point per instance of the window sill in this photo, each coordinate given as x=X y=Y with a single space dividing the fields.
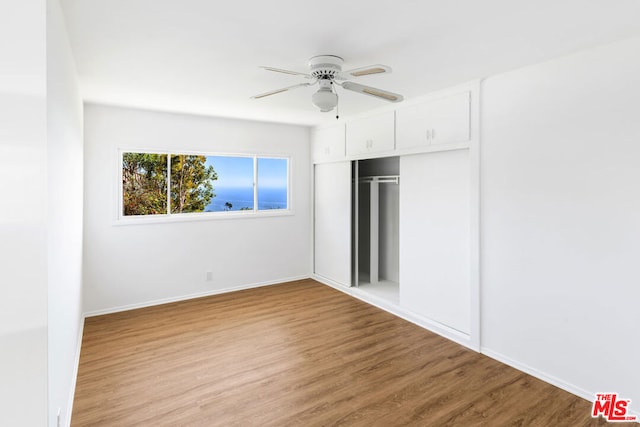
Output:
x=201 y=216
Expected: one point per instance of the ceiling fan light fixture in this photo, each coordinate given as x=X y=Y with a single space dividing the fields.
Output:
x=325 y=99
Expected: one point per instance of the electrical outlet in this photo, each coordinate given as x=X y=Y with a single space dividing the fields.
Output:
x=209 y=276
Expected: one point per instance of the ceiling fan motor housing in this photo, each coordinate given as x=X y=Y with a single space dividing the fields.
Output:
x=325 y=67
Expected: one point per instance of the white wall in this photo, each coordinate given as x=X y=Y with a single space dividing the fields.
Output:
x=23 y=207
x=65 y=146
x=560 y=219
x=133 y=265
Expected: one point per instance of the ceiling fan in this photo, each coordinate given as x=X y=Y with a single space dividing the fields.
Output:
x=326 y=71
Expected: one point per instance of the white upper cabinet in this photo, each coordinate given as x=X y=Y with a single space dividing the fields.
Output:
x=441 y=121
x=372 y=134
x=327 y=144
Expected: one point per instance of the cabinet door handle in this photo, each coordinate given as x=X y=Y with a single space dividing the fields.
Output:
x=431 y=134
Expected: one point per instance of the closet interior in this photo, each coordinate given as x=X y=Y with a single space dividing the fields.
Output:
x=375 y=226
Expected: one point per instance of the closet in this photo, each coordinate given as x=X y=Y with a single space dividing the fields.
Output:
x=396 y=210
x=375 y=226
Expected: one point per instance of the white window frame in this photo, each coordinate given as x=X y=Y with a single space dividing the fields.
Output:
x=121 y=219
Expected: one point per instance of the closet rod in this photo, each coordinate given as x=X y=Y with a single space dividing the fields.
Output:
x=387 y=179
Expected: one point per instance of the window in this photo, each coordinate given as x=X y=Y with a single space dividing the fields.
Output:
x=234 y=187
x=273 y=179
x=144 y=184
x=174 y=184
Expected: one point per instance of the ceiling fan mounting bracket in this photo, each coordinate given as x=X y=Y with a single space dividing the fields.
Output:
x=325 y=67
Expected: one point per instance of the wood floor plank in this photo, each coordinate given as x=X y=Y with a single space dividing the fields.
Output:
x=297 y=354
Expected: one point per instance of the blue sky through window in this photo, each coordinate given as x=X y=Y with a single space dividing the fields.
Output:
x=273 y=181
x=234 y=186
x=272 y=173
x=233 y=172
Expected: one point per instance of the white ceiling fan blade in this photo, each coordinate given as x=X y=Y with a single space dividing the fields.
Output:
x=372 y=91
x=284 y=89
x=293 y=73
x=364 y=71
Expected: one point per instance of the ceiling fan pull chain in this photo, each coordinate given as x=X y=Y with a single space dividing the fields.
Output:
x=337 y=102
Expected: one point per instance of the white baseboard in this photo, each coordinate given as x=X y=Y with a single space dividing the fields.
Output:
x=428 y=324
x=571 y=388
x=431 y=325
x=74 y=377
x=566 y=386
x=463 y=339
x=67 y=418
x=191 y=296
x=332 y=283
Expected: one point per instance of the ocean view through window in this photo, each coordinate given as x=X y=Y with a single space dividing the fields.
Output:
x=234 y=186
x=170 y=184
x=272 y=183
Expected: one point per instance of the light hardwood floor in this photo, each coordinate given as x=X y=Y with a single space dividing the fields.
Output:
x=297 y=354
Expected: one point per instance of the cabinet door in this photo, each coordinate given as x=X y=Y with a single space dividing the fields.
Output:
x=371 y=135
x=442 y=121
x=332 y=221
x=328 y=144
x=452 y=119
x=435 y=237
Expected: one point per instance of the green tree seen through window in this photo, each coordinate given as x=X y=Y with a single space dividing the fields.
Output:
x=191 y=183
x=145 y=180
x=144 y=183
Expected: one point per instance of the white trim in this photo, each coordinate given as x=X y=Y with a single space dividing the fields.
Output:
x=74 y=376
x=120 y=219
x=458 y=337
x=571 y=388
x=566 y=386
x=473 y=87
x=191 y=296
x=431 y=325
x=312 y=211
x=201 y=216
x=326 y=281
x=121 y=207
x=431 y=96
x=255 y=184
x=475 y=309
x=426 y=323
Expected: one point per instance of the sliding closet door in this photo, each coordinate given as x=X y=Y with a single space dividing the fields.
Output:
x=332 y=222
x=435 y=237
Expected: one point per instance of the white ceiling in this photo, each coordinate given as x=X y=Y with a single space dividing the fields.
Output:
x=202 y=56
